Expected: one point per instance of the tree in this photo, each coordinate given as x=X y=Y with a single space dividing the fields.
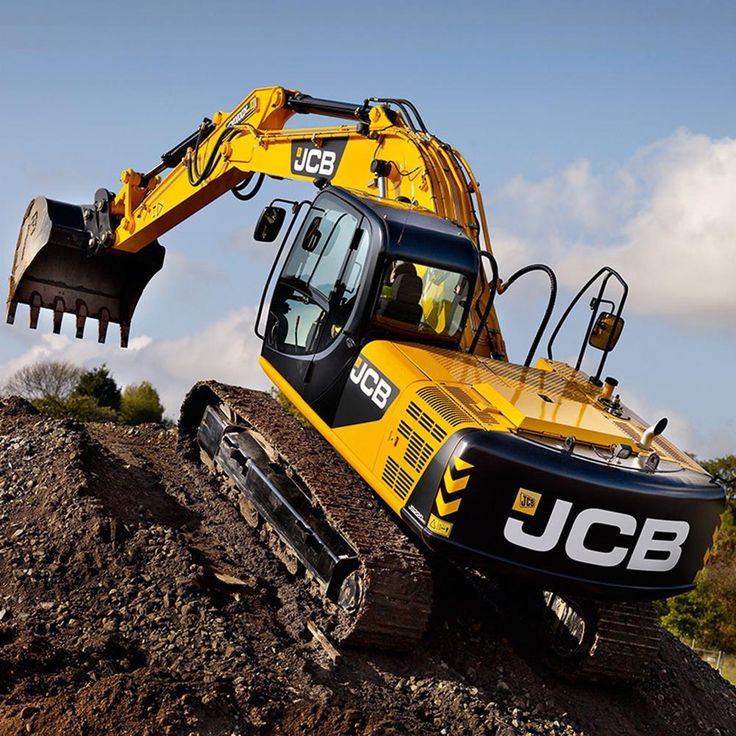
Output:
x=52 y=381
x=723 y=469
x=140 y=403
x=101 y=386
x=708 y=613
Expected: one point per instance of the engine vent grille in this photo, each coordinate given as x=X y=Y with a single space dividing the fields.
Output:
x=418 y=452
x=484 y=414
x=425 y=422
x=453 y=414
x=397 y=478
x=632 y=432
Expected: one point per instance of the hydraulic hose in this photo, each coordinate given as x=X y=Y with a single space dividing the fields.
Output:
x=491 y=298
x=239 y=190
x=550 y=302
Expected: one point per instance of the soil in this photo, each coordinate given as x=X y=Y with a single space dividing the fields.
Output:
x=134 y=599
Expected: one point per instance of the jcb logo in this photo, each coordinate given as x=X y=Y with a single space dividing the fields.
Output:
x=314 y=161
x=656 y=547
x=371 y=383
x=311 y=160
x=527 y=501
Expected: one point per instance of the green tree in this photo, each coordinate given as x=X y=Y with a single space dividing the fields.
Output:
x=723 y=469
x=101 y=386
x=140 y=403
x=708 y=613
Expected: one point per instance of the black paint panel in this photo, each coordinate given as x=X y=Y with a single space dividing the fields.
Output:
x=503 y=463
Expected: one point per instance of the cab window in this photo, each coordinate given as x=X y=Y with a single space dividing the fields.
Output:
x=422 y=300
x=318 y=286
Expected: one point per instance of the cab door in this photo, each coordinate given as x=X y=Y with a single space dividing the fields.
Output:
x=311 y=335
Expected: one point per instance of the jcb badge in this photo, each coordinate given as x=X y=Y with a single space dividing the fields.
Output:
x=309 y=159
x=527 y=502
x=367 y=395
x=371 y=383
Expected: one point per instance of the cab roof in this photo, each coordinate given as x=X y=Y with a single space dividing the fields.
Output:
x=418 y=236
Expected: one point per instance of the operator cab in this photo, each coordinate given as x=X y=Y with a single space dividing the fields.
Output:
x=359 y=271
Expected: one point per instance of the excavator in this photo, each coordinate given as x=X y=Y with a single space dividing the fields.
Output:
x=378 y=325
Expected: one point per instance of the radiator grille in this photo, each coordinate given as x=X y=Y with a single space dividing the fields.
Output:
x=418 y=452
x=453 y=414
x=425 y=422
x=397 y=478
x=484 y=414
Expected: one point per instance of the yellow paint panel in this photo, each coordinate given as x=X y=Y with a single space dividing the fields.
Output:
x=561 y=417
x=461 y=465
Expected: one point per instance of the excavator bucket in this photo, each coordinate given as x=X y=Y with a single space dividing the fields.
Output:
x=53 y=268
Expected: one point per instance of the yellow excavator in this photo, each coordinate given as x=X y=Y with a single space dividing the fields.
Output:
x=378 y=324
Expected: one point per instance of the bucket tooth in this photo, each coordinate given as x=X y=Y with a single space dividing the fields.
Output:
x=35 y=302
x=10 y=314
x=124 y=334
x=82 y=314
x=58 y=314
x=104 y=321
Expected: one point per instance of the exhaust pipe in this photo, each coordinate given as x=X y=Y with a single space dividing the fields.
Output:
x=58 y=265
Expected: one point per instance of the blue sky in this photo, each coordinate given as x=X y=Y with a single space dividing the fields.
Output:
x=599 y=132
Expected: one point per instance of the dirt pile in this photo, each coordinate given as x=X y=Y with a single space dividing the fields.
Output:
x=134 y=600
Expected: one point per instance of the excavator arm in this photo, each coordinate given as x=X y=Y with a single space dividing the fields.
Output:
x=94 y=261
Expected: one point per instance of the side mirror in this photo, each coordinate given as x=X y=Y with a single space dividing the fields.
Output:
x=606 y=331
x=269 y=224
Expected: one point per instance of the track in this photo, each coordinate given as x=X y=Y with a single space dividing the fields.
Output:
x=615 y=644
x=396 y=582
x=618 y=643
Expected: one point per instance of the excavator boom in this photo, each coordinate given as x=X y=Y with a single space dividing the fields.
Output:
x=94 y=261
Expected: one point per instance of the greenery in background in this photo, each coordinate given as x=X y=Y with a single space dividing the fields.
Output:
x=140 y=404
x=708 y=613
x=99 y=385
x=61 y=389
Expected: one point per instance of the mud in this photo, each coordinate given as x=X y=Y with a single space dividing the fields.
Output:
x=135 y=600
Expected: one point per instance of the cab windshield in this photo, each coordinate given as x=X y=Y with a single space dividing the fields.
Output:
x=424 y=300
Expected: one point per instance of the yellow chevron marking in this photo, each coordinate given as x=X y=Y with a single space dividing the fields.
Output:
x=462 y=465
x=453 y=486
x=445 y=508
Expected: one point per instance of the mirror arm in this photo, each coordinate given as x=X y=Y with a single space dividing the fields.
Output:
x=609 y=345
x=296 y=209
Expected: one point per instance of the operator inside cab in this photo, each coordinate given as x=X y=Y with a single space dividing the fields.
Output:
x=422 y=299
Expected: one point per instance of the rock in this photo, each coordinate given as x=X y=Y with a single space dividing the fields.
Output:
x=28 y=712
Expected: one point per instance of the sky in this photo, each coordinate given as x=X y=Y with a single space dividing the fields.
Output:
x=601 y=133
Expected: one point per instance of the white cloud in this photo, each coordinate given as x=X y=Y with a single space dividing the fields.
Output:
x=666 y=219
x=226 y=350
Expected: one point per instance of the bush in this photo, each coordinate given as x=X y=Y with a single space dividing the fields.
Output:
x=140 y=403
